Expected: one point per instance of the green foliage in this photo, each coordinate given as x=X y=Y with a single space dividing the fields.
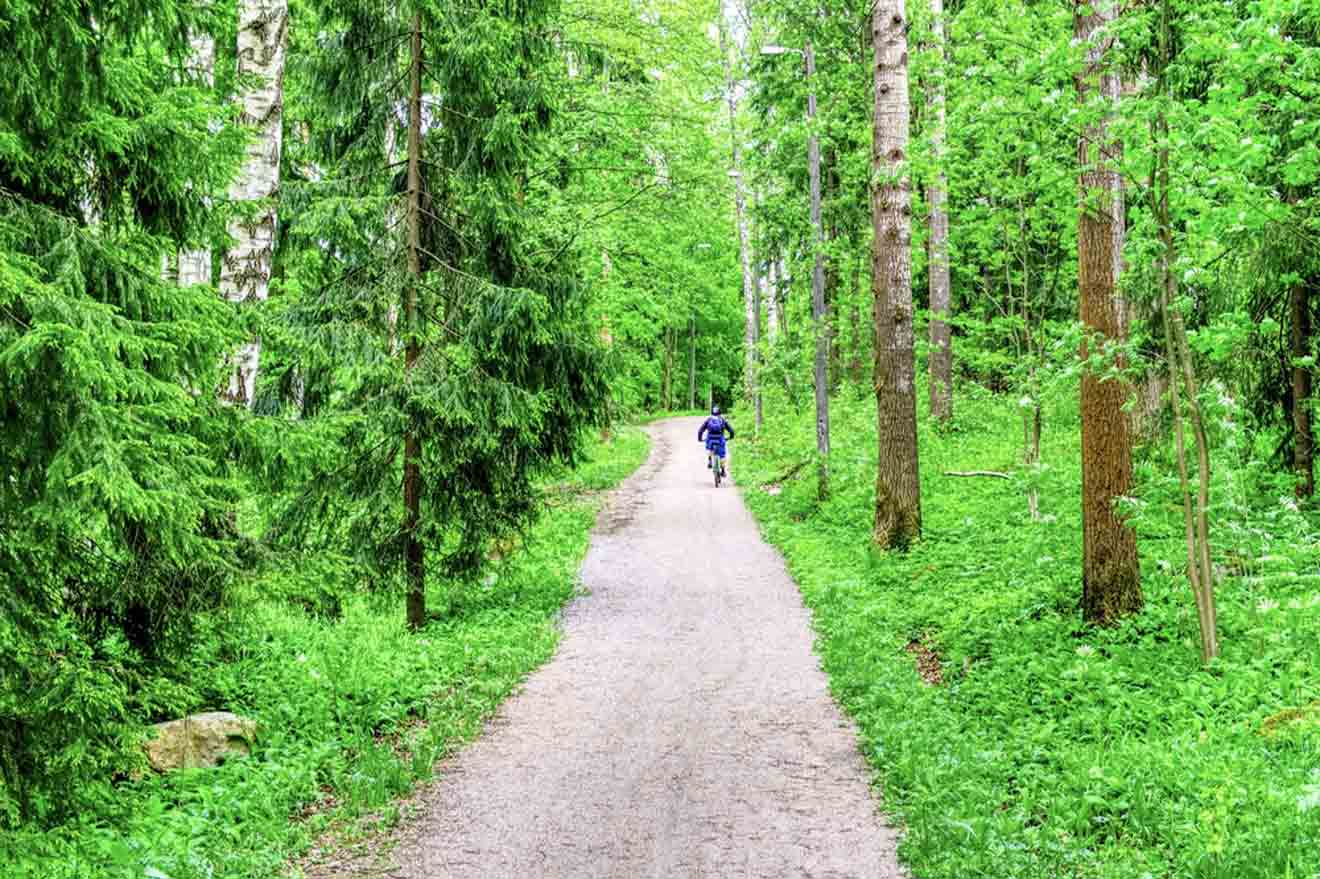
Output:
x=1051 y=748
x=114 y=489
x=352 y=711
x=644 y=150
x=508 y=372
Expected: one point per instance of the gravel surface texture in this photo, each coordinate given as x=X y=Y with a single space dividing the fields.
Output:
x=683 y=729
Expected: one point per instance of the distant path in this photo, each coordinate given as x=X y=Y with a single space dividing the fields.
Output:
x=683 y=729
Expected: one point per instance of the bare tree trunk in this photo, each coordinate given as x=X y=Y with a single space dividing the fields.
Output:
x=1200 y=573
x=415 y=570
x=692 y=363
x=854 y=368
x=1031 y=454
x=750 y=387
x=818 y=293
x=1111 y=577
x=832 y=283
x=1303 y=439
x=897 y=486
x=780 y=294
x=667 y=379
x=941 y=351
x=195 y=265
x=245 y=270
x=772 y=301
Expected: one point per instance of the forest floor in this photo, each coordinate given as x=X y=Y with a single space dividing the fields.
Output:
x=683 y=729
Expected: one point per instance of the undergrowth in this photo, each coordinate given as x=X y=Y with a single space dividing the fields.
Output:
x=1050 y=748
x=352 y=710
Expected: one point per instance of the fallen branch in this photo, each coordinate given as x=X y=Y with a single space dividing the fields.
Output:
x=994 y=473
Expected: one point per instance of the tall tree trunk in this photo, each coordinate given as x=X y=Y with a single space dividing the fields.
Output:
x=667 y=378
x=750 y=340
x=833 y=303
x=897 y=485
x=245 y=270
x=781 y=295
x=941 y=351
x=414 y=567
x=818 y=315
x=855 y=317
x=692 y=363
x=1299 y=307
x=195 y=265
x=1196 y=525
x=772 y=301
x=1111 y=577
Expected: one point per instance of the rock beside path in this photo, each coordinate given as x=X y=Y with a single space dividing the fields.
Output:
x=200 y=740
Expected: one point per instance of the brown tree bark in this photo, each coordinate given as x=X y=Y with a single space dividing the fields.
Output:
x=1111 y=577
x=1299 y=307
x=941 y=343
x=897 y=486
x=414 y=567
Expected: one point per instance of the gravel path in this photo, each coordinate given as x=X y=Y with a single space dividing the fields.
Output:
x=683 y=729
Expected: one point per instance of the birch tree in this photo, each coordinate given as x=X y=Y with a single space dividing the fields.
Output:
x=246 y=267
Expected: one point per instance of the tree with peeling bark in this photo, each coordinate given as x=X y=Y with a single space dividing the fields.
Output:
x=1111 y=578
x=245 y=270
x=898 y=485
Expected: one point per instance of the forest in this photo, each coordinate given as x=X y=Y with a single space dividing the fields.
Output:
x=327 y=327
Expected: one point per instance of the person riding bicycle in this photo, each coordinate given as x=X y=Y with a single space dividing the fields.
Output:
x=712 y=430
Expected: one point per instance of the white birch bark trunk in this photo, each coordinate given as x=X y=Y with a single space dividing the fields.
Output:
x=246 y=268
x=195 y=265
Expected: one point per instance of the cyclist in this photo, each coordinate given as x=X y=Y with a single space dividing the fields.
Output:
x=712 y=430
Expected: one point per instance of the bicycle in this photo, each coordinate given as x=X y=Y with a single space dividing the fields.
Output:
x=715 y=449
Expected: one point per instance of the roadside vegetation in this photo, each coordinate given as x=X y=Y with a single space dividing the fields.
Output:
x=1010 y=738
x=352 y=708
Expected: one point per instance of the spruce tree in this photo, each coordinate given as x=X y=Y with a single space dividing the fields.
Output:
x=115 y=524
x=473 y=366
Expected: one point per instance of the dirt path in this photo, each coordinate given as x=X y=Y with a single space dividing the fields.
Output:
x=683 y=729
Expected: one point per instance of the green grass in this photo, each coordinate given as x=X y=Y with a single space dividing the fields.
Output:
x=352 y=712
x=1053 y=749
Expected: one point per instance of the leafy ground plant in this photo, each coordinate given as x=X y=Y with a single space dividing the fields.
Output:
x=353 y=711
x=1046 y=747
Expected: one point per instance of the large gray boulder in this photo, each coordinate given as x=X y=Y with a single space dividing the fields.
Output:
x=200 y=740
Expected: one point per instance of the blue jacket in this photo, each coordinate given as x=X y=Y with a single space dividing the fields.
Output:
x=715 y=425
